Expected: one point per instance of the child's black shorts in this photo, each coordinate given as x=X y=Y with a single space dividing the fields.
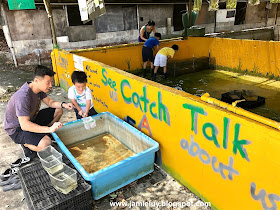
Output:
x=147 y=54
x=90 y=113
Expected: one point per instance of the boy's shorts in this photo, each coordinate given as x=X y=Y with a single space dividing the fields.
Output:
x=44 y=117
x=147 y=54
x=90 y=113
x=160 y=60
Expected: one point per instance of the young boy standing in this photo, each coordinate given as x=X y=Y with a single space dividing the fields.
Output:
x=80 y=95
x=161 y=59
x=147 y=51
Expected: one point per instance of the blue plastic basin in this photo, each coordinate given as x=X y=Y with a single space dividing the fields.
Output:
x=121 y=173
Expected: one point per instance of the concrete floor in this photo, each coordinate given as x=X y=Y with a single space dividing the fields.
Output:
x=155 y=187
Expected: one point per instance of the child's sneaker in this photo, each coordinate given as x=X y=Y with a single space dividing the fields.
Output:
x=154 y=77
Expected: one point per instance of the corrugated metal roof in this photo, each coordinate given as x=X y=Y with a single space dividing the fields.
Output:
x=137 y=1
x=65 y=2
x=120 y=2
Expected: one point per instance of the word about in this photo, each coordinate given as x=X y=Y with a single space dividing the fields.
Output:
x=194 y=150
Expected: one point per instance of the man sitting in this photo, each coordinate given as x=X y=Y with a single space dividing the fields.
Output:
x=24 y=123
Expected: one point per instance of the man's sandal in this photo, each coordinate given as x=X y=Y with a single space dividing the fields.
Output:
x=14 y=186
x=9 y=172
x=19 y=162
x=10 y=180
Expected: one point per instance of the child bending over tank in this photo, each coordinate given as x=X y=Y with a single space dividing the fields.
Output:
x=161 y=59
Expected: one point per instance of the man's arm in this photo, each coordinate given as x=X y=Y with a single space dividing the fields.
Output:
x=80 y=111
x=55 y=104
x=27 y=125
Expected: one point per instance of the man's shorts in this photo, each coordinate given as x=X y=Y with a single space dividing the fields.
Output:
x=160 y=60
x=147 y=54
x=44 y=117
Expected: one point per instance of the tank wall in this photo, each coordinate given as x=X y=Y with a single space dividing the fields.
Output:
x=129 y=57
x=133 y=140
x=260 y=57
x=76 y=131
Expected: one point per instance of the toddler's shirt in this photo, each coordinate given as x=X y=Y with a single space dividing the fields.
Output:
x=80 y=98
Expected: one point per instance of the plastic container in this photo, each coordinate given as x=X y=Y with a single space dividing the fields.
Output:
x=41 y=195
x=121 y=173
x=51 y=159
x=64 y=180
x=89 y=122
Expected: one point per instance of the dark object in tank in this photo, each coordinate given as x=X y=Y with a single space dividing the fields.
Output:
x=250 y=101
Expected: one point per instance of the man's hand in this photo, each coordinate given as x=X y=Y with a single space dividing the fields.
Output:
x=68 y=106
x=55 y=126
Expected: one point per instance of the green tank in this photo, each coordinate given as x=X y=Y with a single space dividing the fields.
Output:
x=188 y=30
x=186 y=23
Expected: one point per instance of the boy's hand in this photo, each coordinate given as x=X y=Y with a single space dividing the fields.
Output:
x=68 y=106
x=81 y=113
x=85 y=114
x=55 y=126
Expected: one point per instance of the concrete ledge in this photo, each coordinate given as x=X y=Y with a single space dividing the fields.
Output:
x=260 y=81
x=264 y=33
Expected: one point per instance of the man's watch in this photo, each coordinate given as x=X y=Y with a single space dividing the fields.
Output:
x=62 y=104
